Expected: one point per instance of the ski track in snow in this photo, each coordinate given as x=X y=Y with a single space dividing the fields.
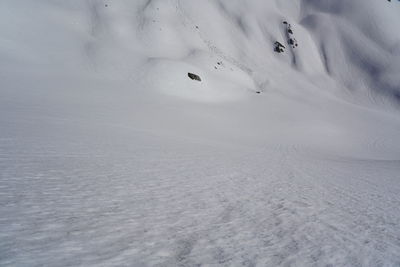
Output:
x=209 y=43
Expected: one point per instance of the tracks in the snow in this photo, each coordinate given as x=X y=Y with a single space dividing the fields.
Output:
x=188 y=22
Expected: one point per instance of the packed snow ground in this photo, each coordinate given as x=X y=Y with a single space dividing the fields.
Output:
x=111 y=156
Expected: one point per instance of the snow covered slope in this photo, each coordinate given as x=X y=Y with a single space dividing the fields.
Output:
x=111 y=155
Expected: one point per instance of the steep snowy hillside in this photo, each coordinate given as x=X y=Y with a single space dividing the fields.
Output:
x=186 y=132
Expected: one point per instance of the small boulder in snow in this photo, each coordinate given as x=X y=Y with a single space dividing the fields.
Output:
x=279 y=48
x=194 y=77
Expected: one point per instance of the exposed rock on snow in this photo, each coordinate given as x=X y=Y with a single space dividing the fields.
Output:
x=194 y=77
x=279 y=48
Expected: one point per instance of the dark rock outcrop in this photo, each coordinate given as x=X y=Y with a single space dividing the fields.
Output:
x=194 y=77
x=279 y=48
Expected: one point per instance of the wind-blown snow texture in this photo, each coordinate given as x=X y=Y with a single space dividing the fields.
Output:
x=111 y=156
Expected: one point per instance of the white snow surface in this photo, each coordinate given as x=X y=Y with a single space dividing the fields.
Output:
x=111 y=156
